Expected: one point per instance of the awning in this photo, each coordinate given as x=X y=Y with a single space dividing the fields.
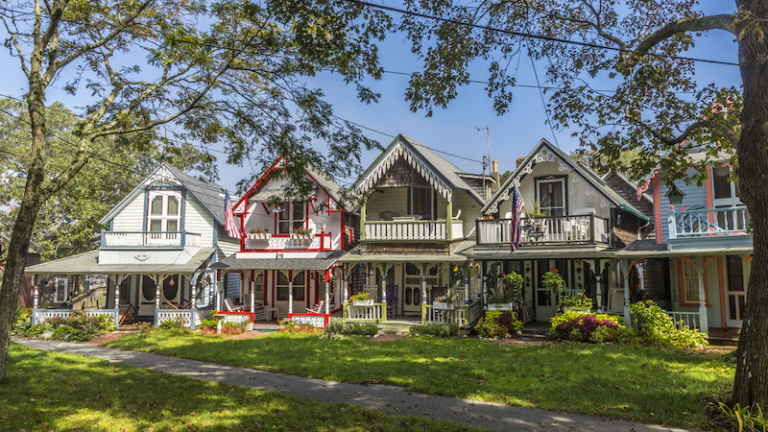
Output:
x=233 y=263
x=87 y=263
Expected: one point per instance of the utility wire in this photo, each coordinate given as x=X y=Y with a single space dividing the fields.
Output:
x=544 y=103
x=535 y=36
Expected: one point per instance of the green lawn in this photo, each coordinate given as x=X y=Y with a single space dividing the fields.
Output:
x=47 y=391
x=621 y=381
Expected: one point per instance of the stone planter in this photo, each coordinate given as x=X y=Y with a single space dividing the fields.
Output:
x=443 y=306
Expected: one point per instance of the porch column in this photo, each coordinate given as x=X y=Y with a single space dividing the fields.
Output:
x=423 y=271
x=625 y=278
x=253 y=300
x=35 y=294
x=466 y=285
x=290 y=291
x=362 y=221
x=384 y=269
x=345 y=290
x=598 y=285
x=192 y=293
x=485 y=284
x=157 y=291
x=449 y=219
x=117 y=280
x=327 y=297
x=703 y=321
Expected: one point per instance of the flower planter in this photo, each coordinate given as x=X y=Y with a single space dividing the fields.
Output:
x=583 y=309
x=259 y=236
x=301 y=236
x=368 y=302
x=500 y=306
x=442 y=305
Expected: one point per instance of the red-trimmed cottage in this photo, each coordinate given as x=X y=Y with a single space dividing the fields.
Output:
x=287 y=257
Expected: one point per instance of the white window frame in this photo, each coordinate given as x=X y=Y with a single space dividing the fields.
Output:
x=731 y=201
x=60 y=284
x=562 y=181
x=164 y=217
x=290 y=206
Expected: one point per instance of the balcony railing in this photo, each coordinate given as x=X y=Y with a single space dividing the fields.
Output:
x=706 y=222
x=148 y=239
x=288 y=242
x=577 y=229
x=413 y=230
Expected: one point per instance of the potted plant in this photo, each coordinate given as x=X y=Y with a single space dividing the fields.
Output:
x=554 y=283
x=444 y=302
x=508 y=295
x=301 y=234
x=361 y=299
x=259 y=234
x=576 y=303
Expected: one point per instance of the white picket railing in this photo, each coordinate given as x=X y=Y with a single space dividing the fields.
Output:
x=364 y=312
x=413 y=230
x=720 y=221
x=463 y=316
x=687 y=319
x=555 y=229
x=185 y=316
x=44 y=315
x=116 y=239
x=280 y=242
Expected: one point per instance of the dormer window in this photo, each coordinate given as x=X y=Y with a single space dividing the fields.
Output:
x=550 y=194
x=290 y=216
x=164 y=211
x=725 y=192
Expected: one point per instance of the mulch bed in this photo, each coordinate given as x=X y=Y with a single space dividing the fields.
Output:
x=107 y=337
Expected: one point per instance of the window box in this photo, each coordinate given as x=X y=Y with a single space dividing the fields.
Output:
x=259 y=236
x=443 y=306
x=368 y=302
x=298 y=236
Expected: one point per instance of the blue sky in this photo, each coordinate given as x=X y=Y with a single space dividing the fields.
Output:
x=453 y=129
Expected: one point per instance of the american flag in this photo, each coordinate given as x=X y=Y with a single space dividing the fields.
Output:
x=229 y=219
x=517 y=213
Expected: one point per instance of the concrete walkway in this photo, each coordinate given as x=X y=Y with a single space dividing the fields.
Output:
x=389 y=399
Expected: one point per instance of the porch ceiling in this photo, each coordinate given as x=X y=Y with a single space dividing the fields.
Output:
x=87 y=263
x=354 y=256
x=542 y=253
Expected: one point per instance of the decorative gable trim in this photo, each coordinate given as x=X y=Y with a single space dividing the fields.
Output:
x=397 y=150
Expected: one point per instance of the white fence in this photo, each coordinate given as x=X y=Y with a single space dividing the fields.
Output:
x=413 y=230
x=319 y=241
x=687 y=319
x=40 y=316
x=555 y=229
x=188 y=317
x=364 y=312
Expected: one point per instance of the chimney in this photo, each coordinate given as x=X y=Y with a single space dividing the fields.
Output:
x=495 y=175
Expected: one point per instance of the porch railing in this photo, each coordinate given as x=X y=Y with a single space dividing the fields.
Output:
x=279 y=242
x=718 y=221
x=575 y=229
x=464 y=316
x=188 y=317
x=40 y=316
x=687 y=319
x=364 y=312
x=413 y=230
x=148 y=239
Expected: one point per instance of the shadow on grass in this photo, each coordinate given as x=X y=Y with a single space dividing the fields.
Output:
x=47 y=391
x=631 y=382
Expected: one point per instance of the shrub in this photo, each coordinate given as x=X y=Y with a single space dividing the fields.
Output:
x=335 y=326
x=748 y=419
x=229 y=327
x=509 y=291
x=209 y=324
x=587 y=328
x=435 y=329
x=576 y=301
x=76 y=327
x=22 y=320
x=359 y=296
x=70 y=334
x=499 y=323
x=361 y=329
x=293 y=327
x=655 y=327
x=171 y=324
x=145 y=327
x=569 y=316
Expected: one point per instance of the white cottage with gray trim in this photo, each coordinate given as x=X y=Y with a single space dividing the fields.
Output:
x=154 y=259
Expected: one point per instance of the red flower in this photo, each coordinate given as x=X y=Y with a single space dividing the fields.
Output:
x=554 y=271
x=585 y=296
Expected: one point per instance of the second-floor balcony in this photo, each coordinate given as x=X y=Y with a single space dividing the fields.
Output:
x=149 y=239
x=709 y=222
x=266 y=242
x=576 y=229
x=410 y=229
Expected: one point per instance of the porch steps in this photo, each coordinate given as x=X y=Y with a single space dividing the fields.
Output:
x=536 y=328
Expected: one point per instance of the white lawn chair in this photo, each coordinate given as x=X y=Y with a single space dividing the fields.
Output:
x=231 y=307
x=317 y=309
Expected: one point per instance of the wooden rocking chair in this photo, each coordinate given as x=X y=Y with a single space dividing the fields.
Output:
x=317 y=309
x=231 y=307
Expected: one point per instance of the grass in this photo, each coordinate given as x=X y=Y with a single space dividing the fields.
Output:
x=47 y=391
x=645 y=384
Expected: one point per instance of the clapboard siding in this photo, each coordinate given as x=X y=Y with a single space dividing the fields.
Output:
x=131 y=218
x=198 y=220
x=695 y=198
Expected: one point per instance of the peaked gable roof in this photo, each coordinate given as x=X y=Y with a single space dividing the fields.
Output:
x=319 y=177
x=208 y=194
x=436 y=170
x=546 y=152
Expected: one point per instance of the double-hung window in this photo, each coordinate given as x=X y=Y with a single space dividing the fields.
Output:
x=551 y=196
x=164 y=211
x=298 y=286
x=290 y=216
x=725 y=193
x=422 y=202
x=61 y=289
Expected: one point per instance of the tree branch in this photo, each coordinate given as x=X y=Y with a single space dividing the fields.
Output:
x=713 y=22
x=17 y=47
x=672 y=140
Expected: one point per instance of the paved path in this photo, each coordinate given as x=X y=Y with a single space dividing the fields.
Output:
x=389 y=399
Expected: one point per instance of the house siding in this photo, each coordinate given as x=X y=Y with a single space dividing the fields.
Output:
x=198 y=220
x=695 y=198
x=131 y=218
x=470 y=210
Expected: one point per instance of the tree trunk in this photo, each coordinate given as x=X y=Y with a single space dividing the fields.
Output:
x=751 y=382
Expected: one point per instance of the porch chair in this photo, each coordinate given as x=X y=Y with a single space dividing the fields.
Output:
x=231 y=307
x=259 y=311
x=318 y=308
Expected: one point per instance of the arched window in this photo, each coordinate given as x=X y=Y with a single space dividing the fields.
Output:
x=148 y=287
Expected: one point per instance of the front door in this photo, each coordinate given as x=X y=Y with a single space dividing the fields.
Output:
x=147 y=293
x=412 y=295
x=546 y=304
x=736 y=294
